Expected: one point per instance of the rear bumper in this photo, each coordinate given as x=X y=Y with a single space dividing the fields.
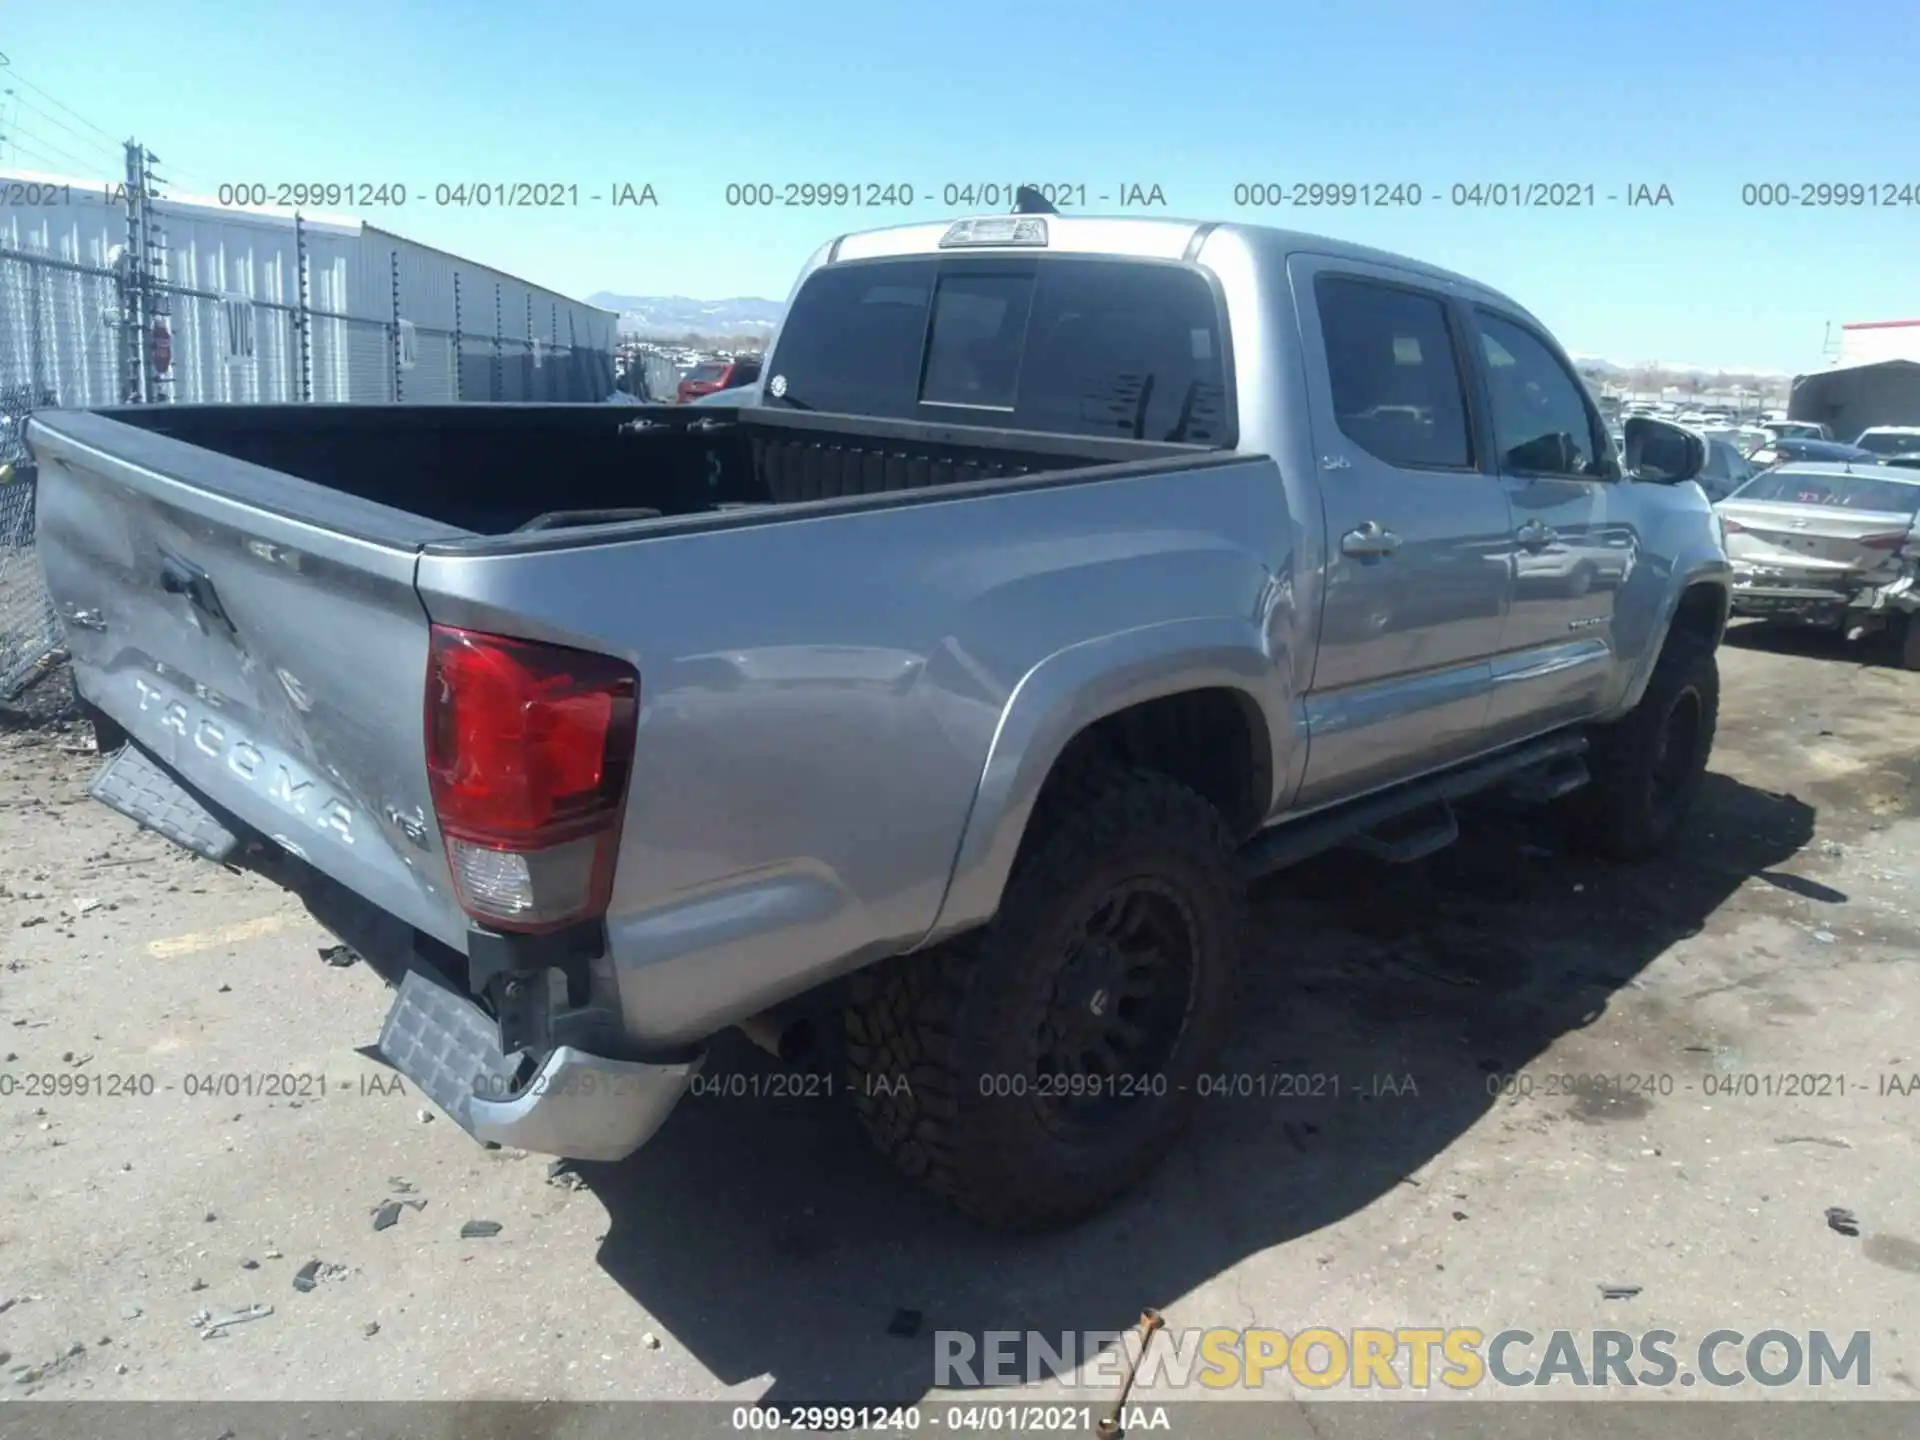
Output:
x=1788 y=595
x=581 y=1106
x=563 y=1101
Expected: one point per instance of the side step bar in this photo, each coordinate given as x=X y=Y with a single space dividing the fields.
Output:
x=1380 y=824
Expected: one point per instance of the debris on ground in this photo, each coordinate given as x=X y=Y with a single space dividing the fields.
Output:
x=650 y=1340
x=1619 y=1292
x=210 y=1325
x=562 y=1174
x=339 y=956
x=479 y=1229
x=426 y=1115
x=387 y=1215
x=1842 y=1221
x=313 y=1272
x=370 y=1329
x=131 y=1312
x=399 y=1186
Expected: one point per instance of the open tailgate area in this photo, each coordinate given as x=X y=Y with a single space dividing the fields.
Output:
x=261 y=639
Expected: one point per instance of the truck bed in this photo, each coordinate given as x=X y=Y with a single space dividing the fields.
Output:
x=495 y=469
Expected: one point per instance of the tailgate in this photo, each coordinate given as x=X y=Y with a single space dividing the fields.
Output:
x=259 y=634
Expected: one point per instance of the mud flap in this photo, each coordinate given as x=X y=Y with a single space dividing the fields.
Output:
x=447 y=1045
x=132 y=783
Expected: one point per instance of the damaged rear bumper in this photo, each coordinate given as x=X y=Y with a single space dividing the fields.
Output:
x=549 y=1097
x=1819 y=599
x=581 y=1106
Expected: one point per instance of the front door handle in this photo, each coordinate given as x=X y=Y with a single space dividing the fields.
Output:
x=1368 y=540
x=1536 y=535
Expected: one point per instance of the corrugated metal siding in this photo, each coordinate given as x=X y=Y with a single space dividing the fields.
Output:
x=213 y=252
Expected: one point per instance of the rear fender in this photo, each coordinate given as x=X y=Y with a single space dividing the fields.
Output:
x=1069 y=691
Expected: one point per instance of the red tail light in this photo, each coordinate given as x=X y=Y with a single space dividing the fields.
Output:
x=1731 y=527
x=1892 y=540
x=528 y=750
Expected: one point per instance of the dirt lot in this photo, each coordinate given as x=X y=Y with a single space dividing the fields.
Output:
x=755 y=1248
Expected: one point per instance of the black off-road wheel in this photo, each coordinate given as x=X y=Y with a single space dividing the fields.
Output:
x=1647 y=767
x=1033 y=1070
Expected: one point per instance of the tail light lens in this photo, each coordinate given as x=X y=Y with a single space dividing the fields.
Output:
x=529 y=747
x=1892 y=540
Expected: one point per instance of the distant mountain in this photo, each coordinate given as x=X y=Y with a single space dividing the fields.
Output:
x=1613 y=369
x=675 y=315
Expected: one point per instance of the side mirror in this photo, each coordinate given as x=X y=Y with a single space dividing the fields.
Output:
x=1661 y=453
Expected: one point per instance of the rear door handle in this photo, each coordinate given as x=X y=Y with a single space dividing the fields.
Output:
x=1536 y=535
x=1369 y=540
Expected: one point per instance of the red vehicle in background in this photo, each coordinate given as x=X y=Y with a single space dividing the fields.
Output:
x=712 y=375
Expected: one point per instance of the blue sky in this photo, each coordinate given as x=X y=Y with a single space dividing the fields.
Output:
x=1195 y=98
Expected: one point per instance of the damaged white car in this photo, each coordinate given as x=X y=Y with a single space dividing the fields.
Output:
x=1828 y=546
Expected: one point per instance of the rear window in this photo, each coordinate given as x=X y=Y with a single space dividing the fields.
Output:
x=1847 y=492
x=1069 y=346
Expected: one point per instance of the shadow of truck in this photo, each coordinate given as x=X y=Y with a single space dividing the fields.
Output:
x=770 y=1241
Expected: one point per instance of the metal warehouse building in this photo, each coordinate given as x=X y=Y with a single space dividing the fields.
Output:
x=1875 y=380
x=103 y=300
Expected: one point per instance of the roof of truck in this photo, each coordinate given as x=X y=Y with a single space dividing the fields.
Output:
x=1148 y=237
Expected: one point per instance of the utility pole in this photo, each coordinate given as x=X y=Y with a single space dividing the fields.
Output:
x=132 y=280
x=147 y=303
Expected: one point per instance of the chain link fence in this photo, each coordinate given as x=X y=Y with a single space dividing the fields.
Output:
x=60 y=344
x=78 y=336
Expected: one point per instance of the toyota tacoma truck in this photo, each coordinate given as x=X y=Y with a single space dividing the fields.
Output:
x=931 y=712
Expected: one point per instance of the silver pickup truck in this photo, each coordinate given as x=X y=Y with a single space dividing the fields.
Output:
x=930 y=712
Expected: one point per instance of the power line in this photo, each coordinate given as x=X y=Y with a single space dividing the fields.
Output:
x=7 y=65
x=18 y=100
x=15 y=131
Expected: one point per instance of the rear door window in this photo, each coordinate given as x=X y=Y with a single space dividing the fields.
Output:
x=1394 y=373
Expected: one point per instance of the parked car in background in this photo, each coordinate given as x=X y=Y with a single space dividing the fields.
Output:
x=1796 y=430
x=1744 y=438
x=1784 y=452
x=1890 y=439
x=1828 y=546
x=739 y=395
x=1726 y=470
x=712 y=376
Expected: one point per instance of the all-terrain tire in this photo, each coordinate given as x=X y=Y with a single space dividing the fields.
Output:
x=1648 y=766
x=943 y=1047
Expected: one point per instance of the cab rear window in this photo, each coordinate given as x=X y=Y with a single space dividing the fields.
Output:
x=1110 y=348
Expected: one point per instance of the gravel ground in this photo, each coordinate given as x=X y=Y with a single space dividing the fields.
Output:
x=756 y=1250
